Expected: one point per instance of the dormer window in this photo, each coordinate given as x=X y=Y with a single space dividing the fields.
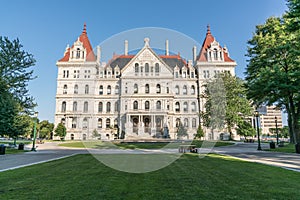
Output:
x=136 y=68
x=78 y=53
x=215 y=54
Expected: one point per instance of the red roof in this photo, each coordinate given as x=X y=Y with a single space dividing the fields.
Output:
x=86 y=44
x=206 y=44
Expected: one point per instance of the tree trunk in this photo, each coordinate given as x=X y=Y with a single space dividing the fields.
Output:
x=292 y=139
x=294 y=122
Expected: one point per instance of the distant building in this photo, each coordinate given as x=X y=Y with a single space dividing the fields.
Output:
x=145 y=95
x=267 y=119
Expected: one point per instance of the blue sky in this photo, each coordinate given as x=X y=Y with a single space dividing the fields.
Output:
x=46 y=27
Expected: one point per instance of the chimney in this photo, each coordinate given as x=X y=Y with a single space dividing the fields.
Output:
x=190 y=63
x=126 y=48
x=194 y=54
x=98 y=54
x=167 y=47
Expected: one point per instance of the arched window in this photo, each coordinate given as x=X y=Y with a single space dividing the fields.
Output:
x=158 y=105
x=78 y=53
x=158 y=89
x=147 y=105
x=99 y=123
x=85 y=123
x=168 y=90
x=116 y=123
x=147 y=88
x=100 y=107
x=63 y=106
x=193 y=107
x=135 y=105
x=86 y=89
x=186 y=122
x=177 y=89
x=108 y=107
x=107 y=123
x=65 y=90
x=74 y=122
x=215 y=54
x=185 y=107
x=76 y=89
x=192 y=75
x=116 y=106
x=126 y=90
x=135 y=88
x=194 y=122
x=177 y=107
x=193 y=90
x=178 y=122
x=108 y=89
x=156 y=68
x=176 y=74
x=184 y=91
x=85 y=107
x=136 y=68
x=75 y=106
x=117 y=89
x=101 y=89
x=147 y=67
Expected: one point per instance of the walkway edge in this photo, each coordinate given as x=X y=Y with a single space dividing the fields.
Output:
x=35 y=163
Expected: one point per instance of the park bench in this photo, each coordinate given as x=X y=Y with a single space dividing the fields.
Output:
x=187 y=148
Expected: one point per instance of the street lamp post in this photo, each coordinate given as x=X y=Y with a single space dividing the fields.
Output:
x=34 y=131
x=277 y=139
x=257 y=129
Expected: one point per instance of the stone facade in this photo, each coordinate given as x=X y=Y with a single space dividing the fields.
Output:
x=145 y=95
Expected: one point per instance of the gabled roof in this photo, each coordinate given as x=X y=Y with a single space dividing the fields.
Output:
x=171 y=60
x=202 y=57
x=83 y=38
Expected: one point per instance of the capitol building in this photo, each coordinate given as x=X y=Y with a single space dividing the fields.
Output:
x=140 y=95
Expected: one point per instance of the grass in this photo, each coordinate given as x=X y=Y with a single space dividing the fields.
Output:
x=14 y=151
x=213 y=177
x=134 y=145
x=17 y=142
x=287 y=148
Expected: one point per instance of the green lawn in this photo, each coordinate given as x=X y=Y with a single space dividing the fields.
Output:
x=213 y=177
x=287 y=148
x=13 y=151
x=134 y=145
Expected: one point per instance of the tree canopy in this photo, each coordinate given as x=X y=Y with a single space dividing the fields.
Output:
x=273 y=69
x=226 y=102
x=61 y=131
x=15 y=102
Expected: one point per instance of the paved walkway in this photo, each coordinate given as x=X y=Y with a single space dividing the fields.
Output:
x=249 y=152
x=45 y=152
x=246 y=151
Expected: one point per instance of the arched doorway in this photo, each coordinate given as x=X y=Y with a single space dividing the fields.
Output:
x=135 y=124
x=159 y=129
x=72 y=136
x=84 y=136
x=147 y=128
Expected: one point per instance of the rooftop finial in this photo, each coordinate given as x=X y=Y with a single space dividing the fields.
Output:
x=84 y=28
x=208 y=29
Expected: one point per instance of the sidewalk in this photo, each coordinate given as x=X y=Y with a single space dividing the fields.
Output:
x=249 y=152
x=45 y=153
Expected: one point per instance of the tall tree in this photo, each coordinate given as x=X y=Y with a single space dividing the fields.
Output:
x=15 y=74
x=273 y=71
x=45 y=129
x=61 y=131
x=236 y=106
x=181 y=131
